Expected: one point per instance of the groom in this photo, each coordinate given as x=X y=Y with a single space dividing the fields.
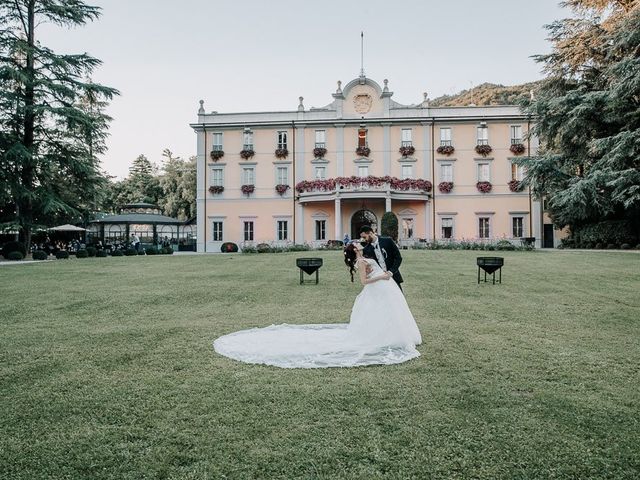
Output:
x=385 y=251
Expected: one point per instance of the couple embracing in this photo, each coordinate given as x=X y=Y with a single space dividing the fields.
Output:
x=381 y=330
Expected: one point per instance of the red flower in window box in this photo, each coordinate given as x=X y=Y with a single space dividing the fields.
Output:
x=407 y=151
x=515 y=185
x=216 y=189
x=483 y=150
x=247 y=154
x=517 y=148
x=281 y=189
x=445 y=149
x=216 y=155
x=445 y=187
x=248 y=189
x=363 y=151
x=319 y=152
x=282 y=153
x=484 y=187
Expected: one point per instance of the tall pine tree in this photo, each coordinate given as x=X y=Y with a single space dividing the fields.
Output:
x=51 y=116
x=587 y=114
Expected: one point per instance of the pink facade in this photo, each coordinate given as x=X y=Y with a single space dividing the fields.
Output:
x=302 y=178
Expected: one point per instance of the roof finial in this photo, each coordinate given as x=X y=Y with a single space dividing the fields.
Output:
x=386 y=85
x=301 y=106
x=201 y=109
x=339 y=90
x=362 y=54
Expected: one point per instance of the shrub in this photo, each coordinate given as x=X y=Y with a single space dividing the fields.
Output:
x=249 y=249
x=638 y=246
x=9 y=247
x=131 y=252
x=599 y=246
x=82 y=254
x=117 y=253
x=228 y=247
x=166 y=251
x=303 y=247
x=142 y=251
x=62 y=255
x=40 y=255
x=15 y=255
x=91 y=251
x=101 y=253
x=611 y=246
x=152 y=251
x=505 y=245
x=389 y=225
x=606 y=232
x=263 y=248
x=625 y=246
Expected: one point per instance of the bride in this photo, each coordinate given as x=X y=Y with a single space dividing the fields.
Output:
x=382 y=329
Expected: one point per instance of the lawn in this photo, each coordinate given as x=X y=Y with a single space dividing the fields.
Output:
x=107 y=371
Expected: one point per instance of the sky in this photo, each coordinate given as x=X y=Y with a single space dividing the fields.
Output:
x=250 y=55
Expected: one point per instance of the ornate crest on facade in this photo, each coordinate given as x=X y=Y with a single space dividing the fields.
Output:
x=362 y=103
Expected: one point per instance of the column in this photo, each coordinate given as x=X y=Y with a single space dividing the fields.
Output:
x=299 y=223
x=387 y=203
x=201 y=193
x=338 y=219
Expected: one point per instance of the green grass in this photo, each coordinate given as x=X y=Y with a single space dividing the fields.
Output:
x=107 y=371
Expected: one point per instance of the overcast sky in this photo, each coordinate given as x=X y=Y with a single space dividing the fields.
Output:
x=251 y=55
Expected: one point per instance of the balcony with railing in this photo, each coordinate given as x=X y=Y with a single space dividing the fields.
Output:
x=363 y=187
x=247 y=146
x=406 y=143
x=320 y=145
x=445 y=143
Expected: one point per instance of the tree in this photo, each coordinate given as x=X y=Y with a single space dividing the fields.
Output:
x=51 y=117
x=588 y=117
x=389 y=225
x=178 y=184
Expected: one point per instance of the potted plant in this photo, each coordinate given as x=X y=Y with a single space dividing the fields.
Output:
x=216 y=189
x=445 y=187
x=319 y=152
x=248 y=189
x=216 y=155
x=484 y=187
x=407 y=151
x=517 y=148
x=282 y=153
x=363 y=151
x=515 y=185
x=483 y=150
x=445 y=149
x=247 y=153
x=281 y=189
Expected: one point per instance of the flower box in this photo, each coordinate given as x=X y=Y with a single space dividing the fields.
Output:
x=319 y=152
x=445 y=187
x=445 y=149
x=281 y=153
x=515 y=186
x=216 y=155
x=363 y=151
x=281 y=189
x=330 y=184
x=483 y=150
x=247 y=154
x=484 y=187
x=248 y=189
x=216 y=189
x=517 y=148
x=407 y=151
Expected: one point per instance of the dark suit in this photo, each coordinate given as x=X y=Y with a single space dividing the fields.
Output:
x=391 y=254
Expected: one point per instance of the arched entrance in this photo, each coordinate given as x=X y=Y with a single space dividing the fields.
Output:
x=362 y=218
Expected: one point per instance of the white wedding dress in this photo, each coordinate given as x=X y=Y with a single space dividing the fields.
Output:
x=382 y=331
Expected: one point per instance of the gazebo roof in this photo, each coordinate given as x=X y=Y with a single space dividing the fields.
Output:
x=140 y=205
x=138 y=218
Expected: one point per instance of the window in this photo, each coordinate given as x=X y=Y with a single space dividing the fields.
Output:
x=248 y=177
x=363 y=171
x=407 y=228
x=445 y=137
x=362 y=137
x=248 y=231
x=321 y=229
x=247 y=143
x=516 y=134
x=321 y=140
x=483 y=227
x=483 y=135
x=283 y=227
x=282 y=139
x=447 y=227
x=446 y=172
x=217 y=142
x=321 y=173
x=406 y=137
x=484 y=172
x=407 y=171
x=217 y=178
x=517 y=229
x=282 y=176
x=517 y=172
x=217 y=231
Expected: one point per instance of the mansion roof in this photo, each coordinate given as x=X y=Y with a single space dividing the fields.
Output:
x=361 y=100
